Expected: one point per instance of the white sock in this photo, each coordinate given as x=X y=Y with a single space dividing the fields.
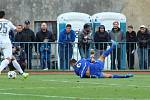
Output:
x=4 y=64
x=17 y=66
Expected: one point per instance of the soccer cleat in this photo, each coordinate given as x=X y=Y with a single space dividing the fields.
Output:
x=114 y=43
x=25 y=75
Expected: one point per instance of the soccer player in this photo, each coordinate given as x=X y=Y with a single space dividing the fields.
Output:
x=6 y=46
x=93 y=68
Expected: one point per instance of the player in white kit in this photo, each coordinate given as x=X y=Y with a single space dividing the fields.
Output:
x=6 y=46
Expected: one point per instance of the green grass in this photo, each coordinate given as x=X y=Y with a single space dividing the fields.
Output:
x=70 y=87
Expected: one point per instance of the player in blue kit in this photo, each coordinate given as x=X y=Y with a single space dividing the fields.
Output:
x=91 y=68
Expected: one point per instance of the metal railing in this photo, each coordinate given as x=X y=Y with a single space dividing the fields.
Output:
x=56 y=56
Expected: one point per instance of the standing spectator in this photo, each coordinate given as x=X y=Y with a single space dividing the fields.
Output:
x=143 y=39
x=65 y=46
x=84 y=40
x=18 y=36
x=148 y=47
x=117 y=35
x=28 y=36
x=99 y=37
x=131 y=46
x=44 y=35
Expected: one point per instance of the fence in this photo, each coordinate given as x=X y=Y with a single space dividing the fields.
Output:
x=56 y=56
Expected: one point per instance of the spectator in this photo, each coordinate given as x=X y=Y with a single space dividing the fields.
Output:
x=99 y=37
x=143 y=39
x=149 y=47
x=117 y=35
x=131 y=46
x=44 y=35
x=18 y=36
x=84 y=40
x=66 y=37
x=27 y=37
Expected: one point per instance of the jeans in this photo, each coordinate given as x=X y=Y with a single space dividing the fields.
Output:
x=84 y=52
x=116 y=59
x=143 y=58
x=45 y=55
x=65 y=55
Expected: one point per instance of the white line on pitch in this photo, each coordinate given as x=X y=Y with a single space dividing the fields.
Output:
x=95 y=83
x=65 y=97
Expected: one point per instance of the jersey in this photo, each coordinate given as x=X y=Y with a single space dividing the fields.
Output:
x=95 y=68
x=81 y=67
x=5 y=43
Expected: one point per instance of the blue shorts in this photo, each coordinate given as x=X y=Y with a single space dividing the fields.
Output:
x=96 y=69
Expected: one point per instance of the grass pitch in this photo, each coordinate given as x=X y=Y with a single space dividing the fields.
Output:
x=70 y=87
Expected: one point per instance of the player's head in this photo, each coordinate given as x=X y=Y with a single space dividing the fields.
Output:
x=72 y=62
x=2 y=14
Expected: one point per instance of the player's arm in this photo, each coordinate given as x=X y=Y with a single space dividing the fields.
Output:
x=84 y=72
x=13 y=27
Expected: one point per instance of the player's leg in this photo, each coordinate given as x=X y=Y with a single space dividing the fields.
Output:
x=7 y=55
x=18 y=67
x=105 y=75
x=107 y=52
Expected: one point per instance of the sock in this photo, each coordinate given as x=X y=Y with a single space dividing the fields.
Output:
x=120 y=76
x=107 y=52
x=4 y=64
x=17 y=66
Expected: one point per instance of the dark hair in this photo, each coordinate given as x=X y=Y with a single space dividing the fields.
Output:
x=72 y=61
x=20 y=25
x=130 y=26
x=86 y=26
x=2 y=14
x=68 y=25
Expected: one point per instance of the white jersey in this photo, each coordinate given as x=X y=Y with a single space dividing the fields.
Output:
x=5 y=27
x=5 y=43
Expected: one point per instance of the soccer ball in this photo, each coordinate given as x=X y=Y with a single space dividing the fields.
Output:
x=12 y=74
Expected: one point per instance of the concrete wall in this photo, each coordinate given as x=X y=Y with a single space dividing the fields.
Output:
x=137 y=11
x=19 y=10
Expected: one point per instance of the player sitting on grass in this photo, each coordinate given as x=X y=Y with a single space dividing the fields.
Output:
x=93 y=68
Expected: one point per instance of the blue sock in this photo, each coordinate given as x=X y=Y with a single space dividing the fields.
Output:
x=107 y=52
x=120 y=76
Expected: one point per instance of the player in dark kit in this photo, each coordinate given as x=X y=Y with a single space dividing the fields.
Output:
x=91 y=68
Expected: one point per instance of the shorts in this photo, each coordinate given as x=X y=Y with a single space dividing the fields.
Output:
x=96 y=69
x=6 y=47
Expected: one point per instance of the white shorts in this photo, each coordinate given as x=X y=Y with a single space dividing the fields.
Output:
x=6 y=47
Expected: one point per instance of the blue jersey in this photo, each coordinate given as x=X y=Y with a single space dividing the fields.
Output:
x=95 y=68
x=81 y=67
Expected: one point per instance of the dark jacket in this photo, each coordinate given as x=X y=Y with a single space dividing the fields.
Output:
x=131 y=37
x=40 y=36
x=84 y=43
x=28 y=35
x=143 y=39
x=66 y=38
x=18 y=37
x=101 y=37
